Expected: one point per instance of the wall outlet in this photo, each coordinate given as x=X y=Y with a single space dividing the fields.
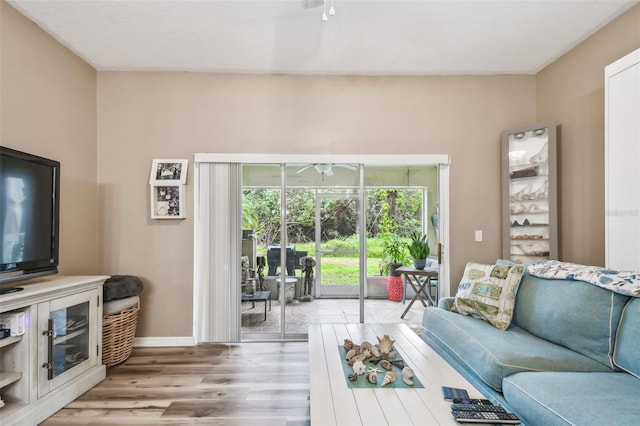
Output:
x=478 y=235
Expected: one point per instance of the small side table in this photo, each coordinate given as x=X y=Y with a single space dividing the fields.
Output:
x=422 y=288
x=259 y=296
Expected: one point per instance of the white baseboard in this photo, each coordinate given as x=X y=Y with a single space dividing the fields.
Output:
x=141 y=342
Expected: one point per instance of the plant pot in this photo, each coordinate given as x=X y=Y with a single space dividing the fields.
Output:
x=419 y=263
x=395 y=287
x=392 y=269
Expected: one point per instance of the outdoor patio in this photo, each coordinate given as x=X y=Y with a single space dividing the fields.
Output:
x=300 y=314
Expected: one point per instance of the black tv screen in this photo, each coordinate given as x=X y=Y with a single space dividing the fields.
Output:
x=29 y=215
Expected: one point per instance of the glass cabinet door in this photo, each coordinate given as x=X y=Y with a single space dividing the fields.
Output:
x=68 y=344
x=529 y=193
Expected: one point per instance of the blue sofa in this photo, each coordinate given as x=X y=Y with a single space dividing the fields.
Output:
x=571 y=355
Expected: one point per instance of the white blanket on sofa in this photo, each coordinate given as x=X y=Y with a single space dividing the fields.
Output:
x=623 y=282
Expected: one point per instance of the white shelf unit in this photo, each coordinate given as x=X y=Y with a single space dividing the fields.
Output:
x=529 y=193
x=31 y=387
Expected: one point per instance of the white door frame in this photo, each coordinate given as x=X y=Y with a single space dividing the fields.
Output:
x=443 y=161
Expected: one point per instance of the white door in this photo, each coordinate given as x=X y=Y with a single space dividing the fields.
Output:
x=622 y=155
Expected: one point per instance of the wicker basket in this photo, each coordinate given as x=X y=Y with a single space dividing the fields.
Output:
x=118 y=332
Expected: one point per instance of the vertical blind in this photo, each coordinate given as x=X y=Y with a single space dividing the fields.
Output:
x=218 y=220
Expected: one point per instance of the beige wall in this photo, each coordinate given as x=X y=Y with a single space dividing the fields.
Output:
x=48 y=108
x=571 y=91
x=174 y=115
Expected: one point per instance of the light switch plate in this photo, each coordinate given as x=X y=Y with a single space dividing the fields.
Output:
x=478 y=235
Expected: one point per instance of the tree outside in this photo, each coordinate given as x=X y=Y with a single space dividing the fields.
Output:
x=390 y=213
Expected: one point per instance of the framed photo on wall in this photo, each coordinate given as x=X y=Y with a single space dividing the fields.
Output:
x=169 y=172
x=168 y=202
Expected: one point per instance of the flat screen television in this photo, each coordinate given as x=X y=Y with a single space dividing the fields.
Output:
x=29 y=216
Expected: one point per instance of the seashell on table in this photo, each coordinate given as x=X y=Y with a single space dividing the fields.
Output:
x=398 y=363
x=407 y=375
x=363 y=356
x=358 y=367
x=389 y=377
x=385 y=364
x=352 y=353
x=348 y=345
x=372 y=376
x=385 y=344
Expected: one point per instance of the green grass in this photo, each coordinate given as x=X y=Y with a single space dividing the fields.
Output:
x=342 y=268
x=344 y=271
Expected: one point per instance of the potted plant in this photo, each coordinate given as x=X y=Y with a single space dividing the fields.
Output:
x=394 y=255
x=419 y=250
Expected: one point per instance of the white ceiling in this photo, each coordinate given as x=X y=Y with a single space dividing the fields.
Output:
x=371 y=37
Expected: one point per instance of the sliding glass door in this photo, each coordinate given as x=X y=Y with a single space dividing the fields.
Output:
x=308 y=240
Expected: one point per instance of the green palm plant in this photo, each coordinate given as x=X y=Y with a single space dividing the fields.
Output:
x=394 y=254
x=419 y=248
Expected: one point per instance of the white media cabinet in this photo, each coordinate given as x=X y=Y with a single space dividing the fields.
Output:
x=59 y=356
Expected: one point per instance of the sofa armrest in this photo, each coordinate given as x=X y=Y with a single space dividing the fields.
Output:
x=446 y=303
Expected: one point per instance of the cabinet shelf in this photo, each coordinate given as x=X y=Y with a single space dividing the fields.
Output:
x=9 y=341
x=529 y=238
x=61 y=339
x=8 y=377
x=30 y=392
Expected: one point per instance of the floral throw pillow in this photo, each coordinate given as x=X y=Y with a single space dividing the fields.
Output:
x=489 y=292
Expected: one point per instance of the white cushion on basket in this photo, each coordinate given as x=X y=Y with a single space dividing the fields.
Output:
x=118 y=305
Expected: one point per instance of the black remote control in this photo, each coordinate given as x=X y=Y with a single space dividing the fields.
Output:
x=477 y=407
x=475 y=401
x=485 y=417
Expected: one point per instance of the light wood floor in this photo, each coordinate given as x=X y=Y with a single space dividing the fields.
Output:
x=218 y=384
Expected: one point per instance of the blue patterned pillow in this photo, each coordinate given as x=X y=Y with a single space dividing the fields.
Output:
x=488 y=292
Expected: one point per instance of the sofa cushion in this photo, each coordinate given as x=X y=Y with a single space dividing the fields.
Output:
x=626 y=354
x=574 y=398
x=488 y=292
x=492 y=354
x=574 y=314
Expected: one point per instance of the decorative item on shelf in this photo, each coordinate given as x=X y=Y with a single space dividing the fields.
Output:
x=167 y=188
x=419 y=250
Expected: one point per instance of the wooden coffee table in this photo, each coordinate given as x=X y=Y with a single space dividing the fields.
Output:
x=333 y=403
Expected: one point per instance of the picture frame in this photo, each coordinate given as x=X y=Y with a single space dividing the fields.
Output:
x=168 y=201
x=169 y=172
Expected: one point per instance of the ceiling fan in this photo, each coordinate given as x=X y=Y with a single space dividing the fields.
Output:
x=312 y=4
x=326 y=169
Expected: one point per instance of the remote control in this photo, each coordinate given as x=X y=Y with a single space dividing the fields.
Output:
x=477 y=407
x=485 y=417
x=475 y=401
